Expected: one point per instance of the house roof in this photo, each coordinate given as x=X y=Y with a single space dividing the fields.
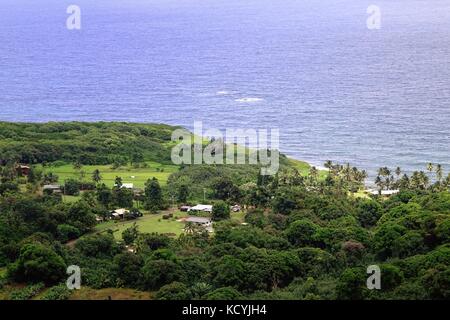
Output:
x=198 y=220
x=202 y=207
x=51 y=186
x=119 y=211
x=385 y=192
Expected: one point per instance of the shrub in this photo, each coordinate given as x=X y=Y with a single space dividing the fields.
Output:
x=59 y=292
x=27 y=292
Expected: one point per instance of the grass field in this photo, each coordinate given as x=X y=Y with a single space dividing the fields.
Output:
x=137 y=176
x=303 y=168
x=86 y=293
x=155 y=223
x=147 y=224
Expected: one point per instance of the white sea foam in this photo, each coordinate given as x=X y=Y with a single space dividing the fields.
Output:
x=249 y=100
x=222 y=92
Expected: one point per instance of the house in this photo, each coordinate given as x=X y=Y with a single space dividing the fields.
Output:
x=385 y=193
x=126 y=185
x=184 y=208
x=119 y=213
x=205 y=222
x=201 y=208
x=236 y=208
x=51 y=188
x=201 y=221
x=23 y=170
x=138 y=192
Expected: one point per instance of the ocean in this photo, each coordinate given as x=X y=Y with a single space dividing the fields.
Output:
x=335 y=89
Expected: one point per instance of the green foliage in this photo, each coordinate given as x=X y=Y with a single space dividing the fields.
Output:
x=37 y=263
x=157 y=273
x=351 y=284
x=67 y=232
x=98 y=246
x=391 y=276
x=368 y=212
x=26 y=293
x=301 y=233
x=306 y=237
x=129 y=235
x=174 y=291
x=127 y=267
x=86 y=143
x=183 y=194
x=152 y=241
x=59 y=292
x=226 y=293
x=153 y=195
x=122 y=197
x=220 y=211
x=72 y=187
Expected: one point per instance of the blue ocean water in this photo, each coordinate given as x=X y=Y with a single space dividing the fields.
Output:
x=334 y=88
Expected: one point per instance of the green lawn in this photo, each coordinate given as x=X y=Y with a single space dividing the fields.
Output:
x=128 y=174
x=147 y=224
x=238 y=216
x=303 y=168
x=71 y=199
x=155 y=223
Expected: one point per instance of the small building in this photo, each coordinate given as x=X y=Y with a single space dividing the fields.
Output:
x=119 y=213
x=205 y=222
x=236 y=208
x=23 y=170
x=126 y=186
x=51 y=188
x=201 y=208
x=386 y=193
x=138 y=192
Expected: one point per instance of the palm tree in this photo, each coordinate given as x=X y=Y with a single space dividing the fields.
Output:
x=189 y=227
x=364 y=175
x=439 y=173
x=313 y=173
x=77 y=165
x=430 y=168
x=379 y=183
x=96 y=177
x=329 y=165
x=118 y=182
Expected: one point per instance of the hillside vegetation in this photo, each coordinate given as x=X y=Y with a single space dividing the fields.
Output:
x=301 y=234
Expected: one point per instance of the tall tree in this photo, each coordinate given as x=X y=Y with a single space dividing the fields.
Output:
x=153 y=195
x=96 y=177
x=439 y=173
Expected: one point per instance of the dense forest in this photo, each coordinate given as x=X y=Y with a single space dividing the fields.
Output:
x=305 y=235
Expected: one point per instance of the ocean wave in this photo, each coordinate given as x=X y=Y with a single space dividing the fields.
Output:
x=222 y=93
x=249 y=100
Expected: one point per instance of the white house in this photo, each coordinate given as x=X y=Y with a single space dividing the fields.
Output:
x=386 y=193
x=200 y=221
x=201 y=208
x=119 y=213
